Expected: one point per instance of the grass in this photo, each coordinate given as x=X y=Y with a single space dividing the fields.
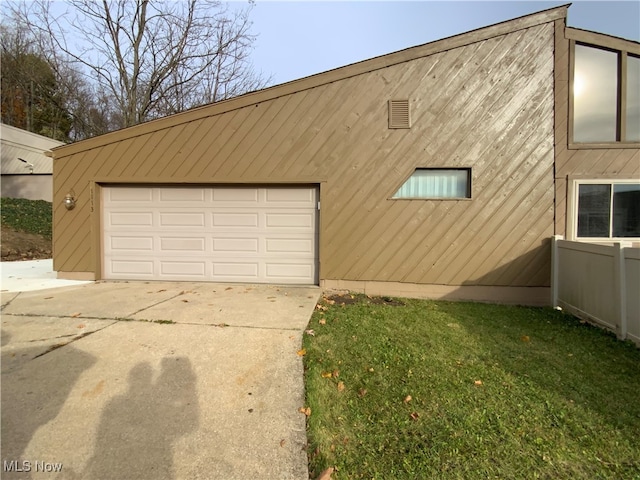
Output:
x=463 y=391
x=29 y=216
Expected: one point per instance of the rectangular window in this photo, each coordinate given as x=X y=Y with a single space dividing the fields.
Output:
x=437 y=183
x=633 y=98
x=608 y=210
x=604 y=111
x=595 y=88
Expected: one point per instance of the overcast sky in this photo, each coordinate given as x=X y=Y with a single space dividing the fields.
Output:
x=298 y=39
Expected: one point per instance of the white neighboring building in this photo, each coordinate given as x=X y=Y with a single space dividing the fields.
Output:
x=31 y=177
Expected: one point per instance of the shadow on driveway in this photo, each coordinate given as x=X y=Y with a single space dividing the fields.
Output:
x=137 y=429
x=34 y=398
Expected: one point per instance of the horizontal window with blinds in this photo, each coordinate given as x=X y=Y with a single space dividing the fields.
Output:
x=436 y=183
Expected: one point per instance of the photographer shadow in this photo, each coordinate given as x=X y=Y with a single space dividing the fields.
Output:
x=137 y=429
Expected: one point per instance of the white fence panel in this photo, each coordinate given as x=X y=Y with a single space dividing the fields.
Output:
x=632 y=270
x=600 y=283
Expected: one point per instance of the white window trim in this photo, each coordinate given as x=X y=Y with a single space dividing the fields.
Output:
x=572 y=218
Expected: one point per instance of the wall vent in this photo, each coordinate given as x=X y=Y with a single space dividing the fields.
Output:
x=399 y=114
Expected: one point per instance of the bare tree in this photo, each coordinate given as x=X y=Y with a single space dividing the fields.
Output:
x=150 y=59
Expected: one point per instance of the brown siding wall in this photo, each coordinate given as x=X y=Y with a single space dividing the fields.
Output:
x=610 y=163
x=487 y=105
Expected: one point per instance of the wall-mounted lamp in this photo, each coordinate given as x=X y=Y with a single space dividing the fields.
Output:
x=69 y=201
x=28 y=165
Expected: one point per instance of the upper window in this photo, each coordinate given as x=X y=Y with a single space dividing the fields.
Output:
x=608 y=210
x=437 y=183
x=606 y=98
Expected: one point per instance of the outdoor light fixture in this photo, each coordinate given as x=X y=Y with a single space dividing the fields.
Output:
x=69 y=201
x=28 y=165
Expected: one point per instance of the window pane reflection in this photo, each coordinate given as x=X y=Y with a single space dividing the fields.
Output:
x=595 y=90
x=626 y=210
x=633 y=99
x=593 y=210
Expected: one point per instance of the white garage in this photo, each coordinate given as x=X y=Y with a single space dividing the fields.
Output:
x=204 y=233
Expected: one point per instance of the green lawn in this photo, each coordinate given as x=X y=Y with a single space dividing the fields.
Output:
x=468 y=391
x=29 y=216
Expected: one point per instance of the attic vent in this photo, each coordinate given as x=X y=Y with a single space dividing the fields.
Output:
x=399 y=114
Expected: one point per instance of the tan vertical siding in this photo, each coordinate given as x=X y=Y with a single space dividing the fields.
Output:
x=487 y=105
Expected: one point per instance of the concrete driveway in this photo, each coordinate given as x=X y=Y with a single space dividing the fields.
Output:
x=154 y=381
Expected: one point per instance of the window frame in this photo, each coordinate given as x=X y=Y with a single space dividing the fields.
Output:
x=445 y=199
x=572 y=218
x=623 y=48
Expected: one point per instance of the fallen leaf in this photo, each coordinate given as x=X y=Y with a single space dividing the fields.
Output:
x=332 y=447
x=335 y=374
x=185 y=301
x=326 y=374
x=407 y=399
x=326 y=474
x=301 y=352
x=282 y=442
x=310 y=332
x=478 y=382
x=525 y=338
x=340 y=386
x=371 y=369
x=306 y=411
x=48 y=298
x=162 y=290
x=362 y=392
x=322 y=321
x=74 y=315
x=414 y=416
x=229 y=288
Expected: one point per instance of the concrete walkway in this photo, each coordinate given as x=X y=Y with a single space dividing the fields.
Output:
x=31 y=275
x=154 y=380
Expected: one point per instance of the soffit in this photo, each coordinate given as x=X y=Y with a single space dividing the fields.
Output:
x=18 y=143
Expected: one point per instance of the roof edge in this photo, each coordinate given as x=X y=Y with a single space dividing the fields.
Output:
x=602 y=39
x=319 y=79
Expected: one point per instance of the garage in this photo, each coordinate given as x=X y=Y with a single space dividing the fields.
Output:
x=265 y=234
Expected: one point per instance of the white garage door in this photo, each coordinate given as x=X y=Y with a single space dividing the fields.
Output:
x=220 y=234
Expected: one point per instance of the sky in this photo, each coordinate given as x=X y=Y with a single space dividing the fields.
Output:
x=302 y=38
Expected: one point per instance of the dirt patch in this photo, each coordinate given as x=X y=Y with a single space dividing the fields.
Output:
x=23 y=246
x=352 y=299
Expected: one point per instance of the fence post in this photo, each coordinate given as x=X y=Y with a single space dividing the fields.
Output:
x=621 y=290
x=554 y=269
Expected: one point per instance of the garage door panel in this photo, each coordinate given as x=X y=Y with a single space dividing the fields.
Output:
x=117 y=219
x=234 y=196
x=235 y=219
x=182 y=268
x=126 y=244
x=289 y=245
x=188 y=244
x=289 y=220
x=288 y=196
x=181 y=219
x=278 y=272
x=235 y=270
x=191 y=194
x=129 y=194
x=238 y=245
x=128 y=267
x=237 y=234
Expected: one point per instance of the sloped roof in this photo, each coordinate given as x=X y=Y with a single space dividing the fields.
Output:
x=319 y=79
x=18 y=143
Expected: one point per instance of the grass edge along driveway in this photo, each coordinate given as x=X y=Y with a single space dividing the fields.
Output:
x=404 y=388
